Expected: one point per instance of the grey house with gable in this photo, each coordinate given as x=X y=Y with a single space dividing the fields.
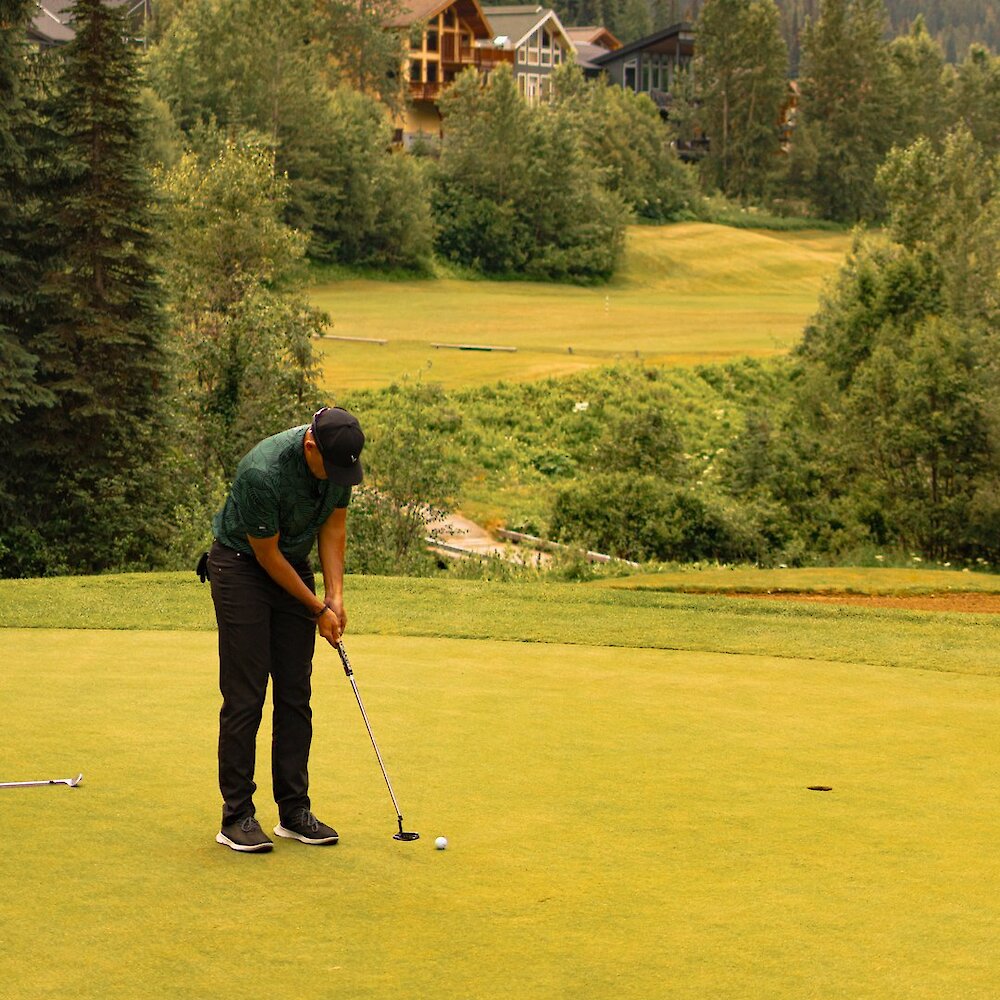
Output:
x=539 y=42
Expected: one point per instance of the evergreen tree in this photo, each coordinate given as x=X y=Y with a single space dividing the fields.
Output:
x=945 y=205
x=362 y=53
x=743 y=68
x=634 y=20
x=977 y=97
x=847 y=105
x=100 y=350
x=516 y=190
x=20 y=254
x=921 y=85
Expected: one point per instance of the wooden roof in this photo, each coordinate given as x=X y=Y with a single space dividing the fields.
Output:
x=417 y=11
x=594 y=35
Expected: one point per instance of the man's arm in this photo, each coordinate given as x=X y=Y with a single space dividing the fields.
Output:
x=279 y=569
x=332 y=544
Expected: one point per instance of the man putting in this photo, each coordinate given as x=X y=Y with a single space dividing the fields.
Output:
x=291 y=490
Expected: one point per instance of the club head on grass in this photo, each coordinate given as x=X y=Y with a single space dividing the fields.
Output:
x=404 y=835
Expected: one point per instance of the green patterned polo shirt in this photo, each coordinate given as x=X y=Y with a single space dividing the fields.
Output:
x=274 y=493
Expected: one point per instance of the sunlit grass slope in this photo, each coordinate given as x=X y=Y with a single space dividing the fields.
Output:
x=687 y=293
x=622 y=824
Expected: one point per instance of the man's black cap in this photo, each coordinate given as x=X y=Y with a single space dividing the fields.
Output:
x=339 y=437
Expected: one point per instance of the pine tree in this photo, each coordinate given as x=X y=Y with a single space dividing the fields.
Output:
x=634 y=20
x=847 y=105
x=921 y=86
x=19 y=270
x=743 y=66
x=100 y=350
x=978 y=96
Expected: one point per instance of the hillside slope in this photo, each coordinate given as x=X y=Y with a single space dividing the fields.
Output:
x=687 y=293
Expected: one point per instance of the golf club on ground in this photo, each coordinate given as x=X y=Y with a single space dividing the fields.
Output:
x=364 y=715
x=72 y=782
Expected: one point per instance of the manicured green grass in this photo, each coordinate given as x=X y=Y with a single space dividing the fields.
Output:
x=621 y=824
x=688 y=293
x=816 y=580
x=544 y=613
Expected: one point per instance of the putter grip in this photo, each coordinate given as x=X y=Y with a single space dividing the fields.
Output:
x=344 y=659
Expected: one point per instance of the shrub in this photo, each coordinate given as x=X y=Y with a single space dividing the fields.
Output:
x=642 y=517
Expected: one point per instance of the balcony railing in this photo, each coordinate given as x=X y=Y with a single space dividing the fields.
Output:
x=425 y=91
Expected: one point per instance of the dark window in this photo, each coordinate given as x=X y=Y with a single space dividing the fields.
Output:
x=432 y=72
x=416 y=70
x=432 y=40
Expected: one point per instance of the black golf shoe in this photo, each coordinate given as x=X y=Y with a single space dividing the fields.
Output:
x=302 y=825
x=245 y=835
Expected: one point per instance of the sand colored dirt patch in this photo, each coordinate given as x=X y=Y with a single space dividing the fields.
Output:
x=968 y=602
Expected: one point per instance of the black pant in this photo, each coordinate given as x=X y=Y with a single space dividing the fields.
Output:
x=263 y=632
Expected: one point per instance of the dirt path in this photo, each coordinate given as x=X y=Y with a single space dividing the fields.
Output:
x=968 y=602
x=457 y=532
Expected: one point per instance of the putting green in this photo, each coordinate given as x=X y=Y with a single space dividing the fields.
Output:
x=622 y=823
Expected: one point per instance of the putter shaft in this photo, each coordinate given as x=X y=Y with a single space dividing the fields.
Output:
x=72 y=782
x=364 y=715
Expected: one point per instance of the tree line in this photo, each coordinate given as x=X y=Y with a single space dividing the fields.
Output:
x=878 y=438
x=954 y=24
x=158 y=212
x=857 y=97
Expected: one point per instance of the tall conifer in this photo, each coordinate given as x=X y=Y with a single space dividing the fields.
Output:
x=19 y=260
x=87 y=463
x=743 y=67
x=847 y=105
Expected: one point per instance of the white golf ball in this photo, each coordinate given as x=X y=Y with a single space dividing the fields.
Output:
x=441 y=843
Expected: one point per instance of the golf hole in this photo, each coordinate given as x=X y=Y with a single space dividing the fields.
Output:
x=820 y=788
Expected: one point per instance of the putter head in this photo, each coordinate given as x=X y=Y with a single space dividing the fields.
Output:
x=73 y=782
x=402 y=835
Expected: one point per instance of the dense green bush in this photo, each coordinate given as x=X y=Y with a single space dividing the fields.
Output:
x=623 y=132
x=644 y=517
x=259 y=69
x=515 y=190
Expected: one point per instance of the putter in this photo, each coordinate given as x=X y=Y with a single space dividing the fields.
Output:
x=72 y=782
x=402 y=835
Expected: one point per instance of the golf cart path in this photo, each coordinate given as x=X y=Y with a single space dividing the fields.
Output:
x=458 y=535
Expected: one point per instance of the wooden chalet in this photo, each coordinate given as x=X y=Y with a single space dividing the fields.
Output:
x=539 y=42
x=446 y=37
